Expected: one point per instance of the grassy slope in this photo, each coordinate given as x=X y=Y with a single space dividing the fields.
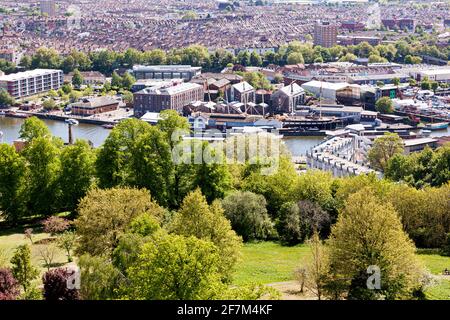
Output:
x=268 y=262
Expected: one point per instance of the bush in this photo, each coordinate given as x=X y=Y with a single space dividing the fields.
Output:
x=55 y=285
x=55 y=225
x=248 y=215
x=9 y=286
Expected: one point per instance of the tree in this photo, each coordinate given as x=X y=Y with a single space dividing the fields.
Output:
x=67 y=241
x=77 y=173
x=384 y=105
x=127 y=81
x=104 y=215
x=45 y=58
x=49 y=104
x=47 y=254
x=9 y=286
x=113 y=165
x=33 y=128
x=255 y=59
x=77 y=78
x=55 y=225
x=12 y=183
x=316 y=271
x=369 y=233
x=248 y=215
x=55 y=285
x=42 y=155
x=100 y=280
x=289 y=224
x=349 y=57
x=6 y=100
x=116 y=80
x=295 y=58
x=383 y=149
x=22 y=269
x=175 y=267
x=396 y=81
x=207 y=222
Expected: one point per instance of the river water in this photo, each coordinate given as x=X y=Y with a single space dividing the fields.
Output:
x=97 y=134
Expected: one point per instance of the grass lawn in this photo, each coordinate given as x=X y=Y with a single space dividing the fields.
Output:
x=10 y=239
x=267 y=262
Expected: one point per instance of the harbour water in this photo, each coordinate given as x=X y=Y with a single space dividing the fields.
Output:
x=97 y=134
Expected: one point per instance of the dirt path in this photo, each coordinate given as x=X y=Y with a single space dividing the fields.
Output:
x=290 y=290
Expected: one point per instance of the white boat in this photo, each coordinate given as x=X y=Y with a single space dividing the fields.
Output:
x=72 y=122
x=2 y=113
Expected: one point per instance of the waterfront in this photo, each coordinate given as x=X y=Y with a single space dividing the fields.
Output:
x=97 y=134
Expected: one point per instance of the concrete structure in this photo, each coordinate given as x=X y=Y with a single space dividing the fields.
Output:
x=325 y=34
x=174 y=98
x=440 y=75
x=48 y=7
x=288 y=98
x=96 y=105
x=27 y=83
x=166 y=72
x=352 y=114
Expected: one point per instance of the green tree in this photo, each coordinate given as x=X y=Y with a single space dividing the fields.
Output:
x=66 y=241
x=45 y=58
x=33 y=128
x=116 y=80
x=77 y=173
x=384 y=105
x=22 y=269
x=113 y=163
x=175 y=267
x=104 y=215
x=295 y=58
x=77 y=78
x=207 y=222
x=369 y=233
x=255 y=59
x=248 y=215
x=6 y=100
x=44 y=165
x=49 y=104
x=12 y=183
x=383 y=149
x=127 y=81
x=7 y=66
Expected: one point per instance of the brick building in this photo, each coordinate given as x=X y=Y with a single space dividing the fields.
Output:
x=325 y=34
x=91 y=106
x=174 y=98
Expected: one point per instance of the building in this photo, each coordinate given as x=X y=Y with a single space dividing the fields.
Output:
x=89 y=78
x=150 y=83
x=242 y=92
x=287 y=98
x=400 y=24
x=48 y=7
x=95 y=105
x=27 y=83
x=342 y=92
x=353 y=25
x=166 y=72
x=11 y=55
x=348 y=113
x=415 y=145
x=325 y=34
x=355 y=40
x=173 y=98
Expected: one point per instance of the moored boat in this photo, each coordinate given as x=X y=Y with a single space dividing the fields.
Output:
x=437 y=126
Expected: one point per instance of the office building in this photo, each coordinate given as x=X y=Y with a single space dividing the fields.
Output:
x=27 y=83
x=184 y=72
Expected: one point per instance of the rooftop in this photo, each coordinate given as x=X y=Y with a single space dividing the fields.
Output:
x=166 y=68
x=27 y=74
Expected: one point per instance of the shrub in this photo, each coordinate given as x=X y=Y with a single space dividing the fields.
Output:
x=55 y=225
x=9 y=286
x=55 y=285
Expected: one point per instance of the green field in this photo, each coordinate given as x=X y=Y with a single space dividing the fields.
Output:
x=269 y=262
